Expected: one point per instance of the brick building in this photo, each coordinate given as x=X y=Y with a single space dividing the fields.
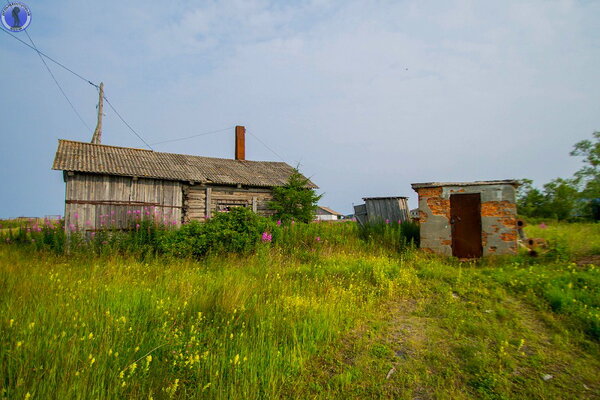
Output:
x=468 y=219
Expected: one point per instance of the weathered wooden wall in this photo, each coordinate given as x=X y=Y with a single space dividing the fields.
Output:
x=390 y=208
x=195 y=198
x=101 y=201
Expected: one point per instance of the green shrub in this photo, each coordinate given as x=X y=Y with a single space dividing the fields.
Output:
x=238 y=231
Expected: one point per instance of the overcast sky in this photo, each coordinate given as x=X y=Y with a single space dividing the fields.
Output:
x=367 y=96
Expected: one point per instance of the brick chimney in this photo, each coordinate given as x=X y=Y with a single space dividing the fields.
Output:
x=240 y=143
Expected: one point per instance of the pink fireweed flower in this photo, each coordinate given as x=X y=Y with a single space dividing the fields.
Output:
x=93 y=234
x=137 y=226
x=76 y=215
x=266 y=237
x=293 y=222
x=387 y=221
x=128 y=211
x=543 y=225
x=72 y=227
x=88 y=223
x=318 y=238
x=278 y=222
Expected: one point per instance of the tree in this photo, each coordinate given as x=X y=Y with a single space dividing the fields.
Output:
x=561 y=199
x=531 y=201
x=588 y=177
x=295 y=200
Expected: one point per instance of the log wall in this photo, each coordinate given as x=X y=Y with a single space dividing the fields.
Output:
x=219 y=198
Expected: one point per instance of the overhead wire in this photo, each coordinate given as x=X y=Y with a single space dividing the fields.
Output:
x=58 y=84
x=126 y=124
x=264 y=144
x=193 y=136
x=49 y=58
x=42 y=55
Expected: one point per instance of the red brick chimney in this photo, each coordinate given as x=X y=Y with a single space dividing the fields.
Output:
x=240 y=143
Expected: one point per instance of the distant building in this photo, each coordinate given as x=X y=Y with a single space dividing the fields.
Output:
x=327 y=214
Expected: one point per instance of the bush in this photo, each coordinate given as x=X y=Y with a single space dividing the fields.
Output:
x=237 y=231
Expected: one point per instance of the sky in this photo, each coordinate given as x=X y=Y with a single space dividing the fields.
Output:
x=366 y=97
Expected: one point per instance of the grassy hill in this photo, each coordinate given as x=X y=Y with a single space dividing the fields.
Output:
x=329 y=316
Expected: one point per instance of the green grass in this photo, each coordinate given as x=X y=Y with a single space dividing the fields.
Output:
x=579 y=238
x=302 y=318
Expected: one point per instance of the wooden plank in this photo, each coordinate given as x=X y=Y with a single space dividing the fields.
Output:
x=208 y=202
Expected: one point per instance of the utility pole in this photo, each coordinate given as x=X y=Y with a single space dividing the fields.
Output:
x=97 y=138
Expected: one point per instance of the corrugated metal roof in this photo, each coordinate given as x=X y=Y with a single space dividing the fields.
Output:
x=126 y=161
x=476 y=183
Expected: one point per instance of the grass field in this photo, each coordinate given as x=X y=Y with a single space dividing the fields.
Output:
x=333 y=318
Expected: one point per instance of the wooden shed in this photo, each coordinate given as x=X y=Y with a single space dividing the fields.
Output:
x=381 y=209
x=115 y=186
x=468 y=219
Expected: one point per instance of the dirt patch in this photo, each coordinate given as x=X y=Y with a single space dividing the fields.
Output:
x=587 y=260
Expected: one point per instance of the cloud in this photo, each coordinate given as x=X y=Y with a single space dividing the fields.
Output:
x=367 y=95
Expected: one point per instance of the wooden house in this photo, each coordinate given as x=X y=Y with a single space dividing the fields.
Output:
x=110 y=186
x=326 y=214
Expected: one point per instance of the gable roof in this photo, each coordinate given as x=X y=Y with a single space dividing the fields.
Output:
x=329 y=210
x=141 y=163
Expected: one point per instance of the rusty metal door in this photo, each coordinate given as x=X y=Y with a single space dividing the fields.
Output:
x=465 y=217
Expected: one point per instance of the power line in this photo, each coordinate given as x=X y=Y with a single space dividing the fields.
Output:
x=57 y=84
x=129 y=126
x=40 y=53
x=264 y=144
x=193 y=136
x=77 y=75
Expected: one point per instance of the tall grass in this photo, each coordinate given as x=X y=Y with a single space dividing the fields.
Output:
x=111 y=317
x=114 y=327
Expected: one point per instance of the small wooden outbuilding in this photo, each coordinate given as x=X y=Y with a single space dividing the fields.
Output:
x=468 y=219
x=380 y=209
x=110 y=186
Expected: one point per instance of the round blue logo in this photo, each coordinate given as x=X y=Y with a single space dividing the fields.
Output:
x=15 y=17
